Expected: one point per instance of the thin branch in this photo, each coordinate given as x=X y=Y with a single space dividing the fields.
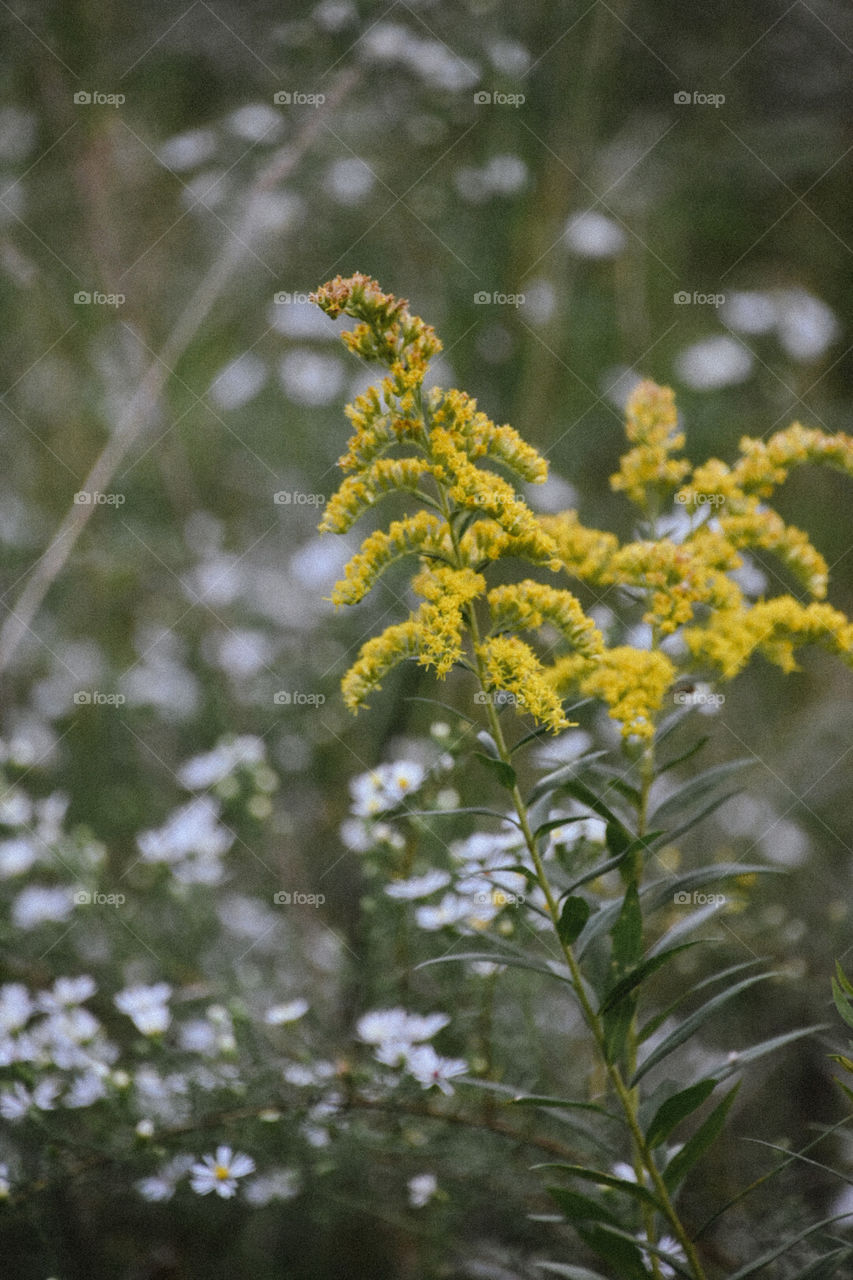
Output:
x=143 y=402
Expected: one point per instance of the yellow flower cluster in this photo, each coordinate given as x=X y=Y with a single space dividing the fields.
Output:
x=633 y=683
x=651 y=427
x=528 y=605
x=511 y=665
x=773 y=627
x=469 y=516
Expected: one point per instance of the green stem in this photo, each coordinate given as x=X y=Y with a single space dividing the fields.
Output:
x=628 y=1098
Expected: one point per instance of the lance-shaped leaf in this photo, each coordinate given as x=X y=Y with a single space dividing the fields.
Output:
x=650 y=1027
x=681 y=1164
x=753 y=1268
x=696 y=1020
x=634 y=977
x=628 y=1188
x=573 y=917
x=696 y=790
x=677 y=1108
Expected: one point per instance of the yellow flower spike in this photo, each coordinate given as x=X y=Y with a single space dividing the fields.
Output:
x=651 y=422
x=529 y=605
x=585 y=553
x=633 y=683
x=773 y=627
x=447 y=592
x=419 y=534
x=511 y=665
x=360 y=492
x=376 y=658
x=686 y=582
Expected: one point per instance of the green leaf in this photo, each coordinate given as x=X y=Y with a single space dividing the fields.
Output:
x=659 y=1019
x=681 y=1164
x=548 y=1103
x=677 y=832
x=696 y=1020
x=550 y=968
x=842 y=1002
x=843 y=981
x=627 y=933
x=627 y=936
x=573 y=918
x=488 y=744
x=553 y=823
x=745 y=1056
x=629 y=1188
x=580 y=1208
x=827 y=1266
x=677 y=1108
x=598 y=1228
x=638 y=974
x=617 y=1248
x=697 y=789
x=558 y=778
x=685 y=755
x=504 y=772
x=753 y=1267
x=441 y=813
x=568 y=1272
x=670 y=723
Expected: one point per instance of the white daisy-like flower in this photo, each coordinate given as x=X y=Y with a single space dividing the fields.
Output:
x=219 y=1173
x=422 y=1188
x=402 y=778
x=15 y=1006
x=449 y=911
x=382 y=1025
x=429 y=1069
x=16 y=1102
x=292 y=1011
x=418 y=886
x=671 y=1246
x=161 y=1186
x=37 y=905
x=146 y=1007
x=281 y=1184
x=67 y=992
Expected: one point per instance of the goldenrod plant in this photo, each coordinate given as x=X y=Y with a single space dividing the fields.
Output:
x=500 y=592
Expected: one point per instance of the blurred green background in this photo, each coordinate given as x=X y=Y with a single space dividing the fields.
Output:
x=574 y=194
